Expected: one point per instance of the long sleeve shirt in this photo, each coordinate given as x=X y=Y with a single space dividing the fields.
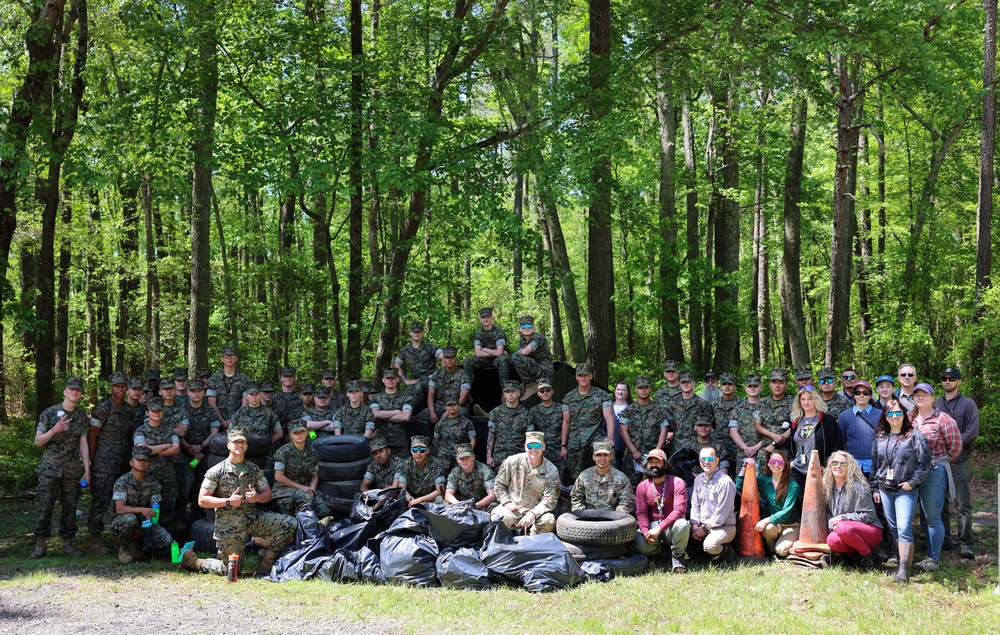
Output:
x=788 y=511
x=712 y=501
x=852 y=503
x=942 y=434
x=965 y=413
x=664 y=503
x=908 y=458
x=858 y=429
x=533 y=488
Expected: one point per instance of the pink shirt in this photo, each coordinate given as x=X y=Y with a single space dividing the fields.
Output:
x=648 y=510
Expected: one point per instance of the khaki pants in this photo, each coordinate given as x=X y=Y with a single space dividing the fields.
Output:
x=546 y=523
x=780 y=538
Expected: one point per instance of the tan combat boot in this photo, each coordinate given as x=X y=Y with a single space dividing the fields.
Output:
x=69 y=550
x=191 y=561
x=39 y=549
x=96 y=546
x=267 y=559
x=125 y=554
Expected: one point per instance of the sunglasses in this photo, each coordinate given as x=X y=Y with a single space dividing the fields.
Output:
x=907 y=375
x=807 y=388
x=862 y=393
x=775 y=462
x=527 y=326
x=827 y=381
x=848 y=377
x=418 y=450
x=541 y=390
x=838 y=463
x=534 y=446
x=948 y=379
x=707 y=459
x=894 y=413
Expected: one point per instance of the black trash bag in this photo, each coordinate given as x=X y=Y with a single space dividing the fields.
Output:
x=462 y=569
x=413 y=522
x=685 y=461
x=597 y=572
x=342 y=566
x=456 y=526
x=352 y=537
x=369 y=566
x=380 y=505
x=301 y=559
x=309 y=527
x=538 y=563
x=409 y=560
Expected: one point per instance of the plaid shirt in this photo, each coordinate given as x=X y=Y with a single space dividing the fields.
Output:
x=942 y=434
x=965 y=413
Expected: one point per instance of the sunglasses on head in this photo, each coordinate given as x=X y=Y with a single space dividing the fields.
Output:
x=827 y=381
x=534 y=446
x=862 y=393
x=418 y=450
x=894 y=413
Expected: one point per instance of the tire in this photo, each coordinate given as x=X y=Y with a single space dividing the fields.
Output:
x=211 y=460
x=340 y=489
x=256 y=445
x=202 y=534
x=631 y=565
x=582 y=553
x=593 y=527
x=343 y=471
x=342 y=448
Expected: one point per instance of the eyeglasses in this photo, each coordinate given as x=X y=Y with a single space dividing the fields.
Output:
x=775 y=462
x=862 y=393
x=533 y=446
x=527 y=326
x=541 y=390
x=848 y=377
x=894 y=413
x=948 y=379
x=907 y=375
x=418 y=450
x=838 y=463
x=707 y=459
x=827 y=381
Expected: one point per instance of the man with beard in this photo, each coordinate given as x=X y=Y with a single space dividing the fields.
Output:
x=660 y=504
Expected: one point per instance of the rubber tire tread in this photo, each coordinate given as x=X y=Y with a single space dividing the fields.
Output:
x=256 y=445
x=342 y=448
x=343 y=471
x=582 y=553
x=202 y=532
x=340 y=489
x=596 y=527
x=634 y=564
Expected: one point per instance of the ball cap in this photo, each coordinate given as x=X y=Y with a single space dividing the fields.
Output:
x=390 y=372
x=419 y=441
x=584 y=369
x=297 y=426
x=237 y=434
x=670 y=365
x=924 y=386
x=141 y=452
x=657 y=453
x=118 y=378
x=288 y=371
x=74 y=382
x=803 y=372
x=486 y=310
x=378 y=443
x=463 y=450
x=778 y=374
x=603 y=447
x=826 y=373
x=534 y=437
x=686 y=375
x=951 y=371
x=642 y=381
x=416 y=327
x=882 y=378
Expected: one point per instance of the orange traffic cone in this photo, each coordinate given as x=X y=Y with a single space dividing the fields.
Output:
x=812 y=533
x=751 y=542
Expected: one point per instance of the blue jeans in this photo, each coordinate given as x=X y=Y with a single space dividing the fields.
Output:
x=899 y=508
x=932 y=493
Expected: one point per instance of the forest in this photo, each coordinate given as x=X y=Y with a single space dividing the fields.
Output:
x=731 y=184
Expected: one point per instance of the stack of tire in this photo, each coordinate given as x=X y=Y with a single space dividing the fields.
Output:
x=603 y=537
x=258 y=448
x=342 y=462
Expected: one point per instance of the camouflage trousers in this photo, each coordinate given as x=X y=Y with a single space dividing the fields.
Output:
x=232 y=536
x=556 y=459
x=502 y=364
x=165 y=475
x=422 y=420
x=290 y=501
x=546 y=523
x=67 y=492
x=124 y=526
x=579 y=455
x=185 y=481
x=102 y=484
x=528 y=369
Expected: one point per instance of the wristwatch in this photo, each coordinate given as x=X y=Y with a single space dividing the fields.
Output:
x=228 y=504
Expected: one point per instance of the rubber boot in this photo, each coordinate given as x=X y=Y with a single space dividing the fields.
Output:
x=69 y=550
x=905 y=562
x=39 y=549
x=125 y=554
x=192 y=562
x=267 y=561
x=96 y=546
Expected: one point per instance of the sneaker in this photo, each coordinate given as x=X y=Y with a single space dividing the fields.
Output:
x=967 y=553
x=678 y=565
x=926 y=565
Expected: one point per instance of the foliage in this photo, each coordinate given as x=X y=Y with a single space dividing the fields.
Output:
x=18 y=454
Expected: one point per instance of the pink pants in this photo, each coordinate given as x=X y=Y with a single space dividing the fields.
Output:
x=853 y=537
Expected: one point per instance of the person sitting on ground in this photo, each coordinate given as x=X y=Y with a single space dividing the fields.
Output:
x=421 y=476
x=381 y=472
x=713 y=517
x=296 y=474
x=850 y=511
x=354 y=417
x=779 y=503
x=602 y=486
x=470 y=480
x=527 y=488
x=233 y=489
x=451 y=430
x=660 y=504
x=132 y=498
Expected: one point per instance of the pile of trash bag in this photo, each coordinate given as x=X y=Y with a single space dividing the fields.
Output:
x=384 y=542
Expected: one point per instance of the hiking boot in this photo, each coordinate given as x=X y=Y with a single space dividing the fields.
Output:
x=69 y=550
x=967 y=553
x=125 y=554
x=191 y=561
x=267 y=561
x=96 y=546
x=870 y=562
x=926 y=565
x=39 y=549
x=678 y=565
x=478 y=411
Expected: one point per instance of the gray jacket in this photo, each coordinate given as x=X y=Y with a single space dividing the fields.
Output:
x=852 y=503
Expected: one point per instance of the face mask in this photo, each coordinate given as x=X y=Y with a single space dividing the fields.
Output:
x=655 y=471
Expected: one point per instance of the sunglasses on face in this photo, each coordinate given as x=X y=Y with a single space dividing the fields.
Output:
x=775 y=462
x=848 y=377
x=894 y=413
x=838 y=463
x=534 y=446
x=862 y=393
x=418 y=450
x=948 y=379
x=527 y=326
x=541 y=390
x=907 y=375
x=826 y=381
x=707 y=459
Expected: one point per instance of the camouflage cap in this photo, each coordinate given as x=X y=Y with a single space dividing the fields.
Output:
x=204 y=372
x=74 y=382
x=135 y=382
x=167 y=385
x=753 y=379
x=329 y=373
x=390 y=372
x=266 y=386
x=153 y=405
x=354 y=386
x=180 y=373
x=826 y=373
x=118 y=378
x=153 y=374
x=534 y=437
x=449 y=351
x=141 y=452
x=544 y=382
x=419 y=441
x=151 y=385
x=526 y=320
x=778 y=374
x=367 y=386
x=686 y=375
x=288 y=371
x=307 y=389
x=322 y=392
x=416 y=327
x=297 y=426
x=237 y=434
x=228 y=349
x=196 y=384
x=378 y=443
x=486 y=310
x=512 y=385
x=670 y=365
x=803 y=372
x=253 y=389
x=583 y=368
x=726 y=378
x=463 y=450
x=451 y=400
x=603 y=447
x=642 y=381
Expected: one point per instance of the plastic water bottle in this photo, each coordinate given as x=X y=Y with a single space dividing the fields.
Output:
x=175 y=552
x=84 y=482
x=156 y=513
x=147 y=533
x=194 y=463
x=312 y=434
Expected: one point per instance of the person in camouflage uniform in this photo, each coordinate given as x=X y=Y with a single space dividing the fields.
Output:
x=354 y=417
x=532 y=359
x=132 y=499
x=225 y=388
x=804 y=376
x=308 y=397
x=392 y=409
x=447 y=381
x=723 y=407
x=775 y=414
x=645 y=426
x=451 y=431
x=234 y=488
x=163 y=444
x=836 y=403
x=552 y=419
x=180 y=381
x=287 y=402
x=257 y=420
x=174 y=418
x=470 y=480
x=321 y=418
x=108 y=438
x=707 y=437
x=296 y=475
x=489 y=348
x=735 y=417
x=420 y=361
x=602 y=486
x=381 y=472
x=688 y=409
x=266 y=394
x=62 y=431
x=590 y=418
x=527 y=489
x=135 y=412
x=202 y=424
x=329 y=380
x=421 y=476
x=672 y=389
x=508 y=423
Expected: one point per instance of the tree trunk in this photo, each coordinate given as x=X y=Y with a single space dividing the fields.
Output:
x=519 y=215
x=763 y=289
x=152 y=278
x=792 y=314
x=727 y=239
x=558 y=346
x=97 y=294
x=355 y=268
x=666 y=114
x=693 y=239
x=227 y=277
x=62 y=294
x=864 y=244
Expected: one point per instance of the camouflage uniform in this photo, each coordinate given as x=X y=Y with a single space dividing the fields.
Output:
x=722 y=414
x=532 y=489
x=175 y=415
x=473 y=486
x=394 y=433
x=773 y=413
x=536 y=364
x=355 y=420
x=586 y=423
x=135 y=493
x=315 y=414
x=60 y=470
x=445 y=384
x=725 y=460
x=418 y=363
x=665 y=395
x=688 y=412
x=549 y=420
x=382 y=476
x=421 y=481
x=612 y=491
x=298 y=467
x=508 y=426
x=493 y=338
x=235 y=525
x=161 y=468
x=837 y=404
x=260 y=421
x=201 y=422
x=113 y=440
x=449 y=433
x=741 y=417
x=228 y=391
x=288 y=407
x=644 y=423
x=337 y=401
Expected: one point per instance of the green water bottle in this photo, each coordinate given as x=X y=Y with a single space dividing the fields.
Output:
x=312 y=434
x=194 y=463
x=175 y=553
x=156 y=513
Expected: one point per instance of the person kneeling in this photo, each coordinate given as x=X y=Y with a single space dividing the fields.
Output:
x=713 y=521
x=296 y=474
x=779 y=499
x=660 y=502
x=527 y=487
x=132 y=499
x=470 y=481
x=850 y=510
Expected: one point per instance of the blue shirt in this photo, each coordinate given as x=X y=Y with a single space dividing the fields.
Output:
x=858 y=429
